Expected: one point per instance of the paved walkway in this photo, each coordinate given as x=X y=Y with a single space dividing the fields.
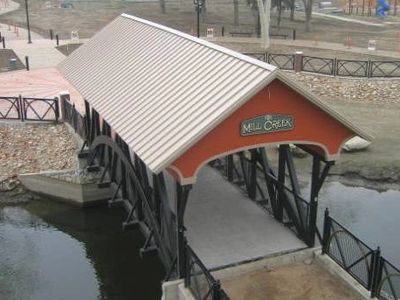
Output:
x=307 y=44
x=225 y=227
x=344 y=19
x=42 y=52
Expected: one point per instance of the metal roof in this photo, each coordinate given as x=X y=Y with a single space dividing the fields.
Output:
x=160 y=89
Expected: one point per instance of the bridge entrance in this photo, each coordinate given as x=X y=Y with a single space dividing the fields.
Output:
x=201 y=113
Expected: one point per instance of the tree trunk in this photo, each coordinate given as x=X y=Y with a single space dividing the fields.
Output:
x=236 y=12
x=279 y=19
x=162 y=6
x=308 y=4
x=292 y=6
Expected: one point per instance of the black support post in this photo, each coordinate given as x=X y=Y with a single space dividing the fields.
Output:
x=181 y=201
x=281 y=181
x=229 y=168
x=312 y=225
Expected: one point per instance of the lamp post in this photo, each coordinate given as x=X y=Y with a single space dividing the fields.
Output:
x=27 y=22
x=198 y=4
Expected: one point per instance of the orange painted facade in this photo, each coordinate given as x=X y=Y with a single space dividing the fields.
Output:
x=312 y=126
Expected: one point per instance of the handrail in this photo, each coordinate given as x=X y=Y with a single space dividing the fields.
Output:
x=366 y=265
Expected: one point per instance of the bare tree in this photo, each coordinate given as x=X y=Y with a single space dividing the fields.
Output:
x=162 y=6
x=236 y=12
x=291 y=4
x=308 y=5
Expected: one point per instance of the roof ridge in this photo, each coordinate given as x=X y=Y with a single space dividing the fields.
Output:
x=205 y=43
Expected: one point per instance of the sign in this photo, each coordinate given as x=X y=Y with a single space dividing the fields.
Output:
x=266 y=124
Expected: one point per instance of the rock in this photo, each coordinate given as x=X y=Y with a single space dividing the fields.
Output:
x=356 y=144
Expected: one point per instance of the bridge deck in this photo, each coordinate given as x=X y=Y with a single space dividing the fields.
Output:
x=225 y=227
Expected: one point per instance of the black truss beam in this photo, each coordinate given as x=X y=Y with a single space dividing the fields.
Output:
x=127 y=171
x=182 y=193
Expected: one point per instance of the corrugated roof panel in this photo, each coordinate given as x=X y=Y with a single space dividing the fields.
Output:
x=161 y=90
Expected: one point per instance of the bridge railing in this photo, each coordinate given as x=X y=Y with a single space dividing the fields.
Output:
x=200 y=281
x=365 y=264
x=73 y=117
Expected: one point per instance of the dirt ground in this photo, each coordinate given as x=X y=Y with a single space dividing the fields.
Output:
x=28 y=148
x=298 y=281
x=87 y=17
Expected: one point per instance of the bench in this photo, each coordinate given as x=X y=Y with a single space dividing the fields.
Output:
x=241 y=33
x=284 y=35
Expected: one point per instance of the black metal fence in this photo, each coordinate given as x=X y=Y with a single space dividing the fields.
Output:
x=31 y=109
x=332 y=66
x=282 y=61
x=10 y=108
x=365 y=264
x=199 y=280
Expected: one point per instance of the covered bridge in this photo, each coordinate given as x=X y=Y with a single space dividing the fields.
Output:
x=161 y=105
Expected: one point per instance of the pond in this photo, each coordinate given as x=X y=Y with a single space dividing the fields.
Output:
x=53 y=251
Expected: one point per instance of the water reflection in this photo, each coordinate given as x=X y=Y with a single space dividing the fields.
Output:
x=369 y=214
x=53 y=251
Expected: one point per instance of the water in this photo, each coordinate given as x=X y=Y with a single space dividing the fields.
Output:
x=53 y=251
x=371 y=215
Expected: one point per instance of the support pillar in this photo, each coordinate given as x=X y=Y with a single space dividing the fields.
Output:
x=281 y=181
x=317 y=180
x=182 y=193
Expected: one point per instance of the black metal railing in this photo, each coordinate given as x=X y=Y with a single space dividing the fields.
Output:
x=332 y=66
x=282 y=61
x=318 y=65
x=200 y=281
x=31 y=109
x=10 y=108
x=362 y=262
x=73 y=117
x=352 y=68
x=384 y=69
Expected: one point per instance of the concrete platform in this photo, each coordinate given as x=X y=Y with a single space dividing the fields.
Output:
x=224 y=227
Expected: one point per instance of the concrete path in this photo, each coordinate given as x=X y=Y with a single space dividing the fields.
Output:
x=225 y=227
x=41 y=52
x=307 y=44
x=42 y=83
x=344 y=19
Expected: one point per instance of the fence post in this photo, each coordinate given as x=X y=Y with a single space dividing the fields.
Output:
x=57 y=40
x=64 y=96
x=298 y=61
x=4 y=42
x=27 y=62
x=376 y=270
x=56 y=109
x=335 y=67
x=21 y=108
x=294 y=34
x=327 y=231
x=223 y=31
x=369 y=69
